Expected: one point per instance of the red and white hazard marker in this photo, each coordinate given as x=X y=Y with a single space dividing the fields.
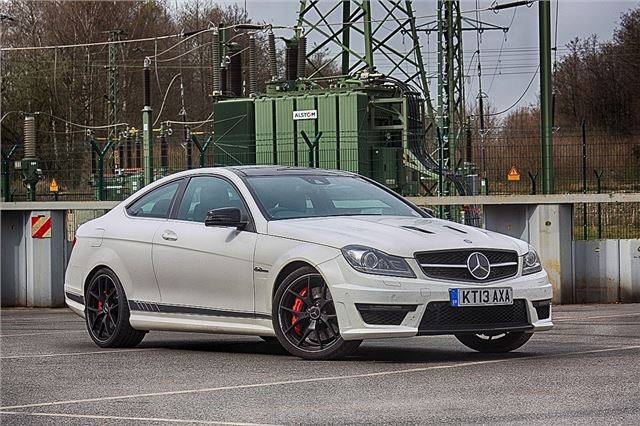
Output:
x=41 y=226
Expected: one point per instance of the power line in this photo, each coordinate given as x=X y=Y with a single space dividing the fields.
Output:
x=100 y=43
x=500 y=51
x=521 y=96
x=82 y=126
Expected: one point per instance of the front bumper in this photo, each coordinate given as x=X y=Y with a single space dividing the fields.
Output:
x=354 y=292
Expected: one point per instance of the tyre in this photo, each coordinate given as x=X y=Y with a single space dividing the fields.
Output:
x=305 y=320
x=499 y=343
x=107 y=312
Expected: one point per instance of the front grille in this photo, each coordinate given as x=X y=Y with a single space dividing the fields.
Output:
x=384 y=314
x=441 y=317
x=543 y=308
x=452 y=264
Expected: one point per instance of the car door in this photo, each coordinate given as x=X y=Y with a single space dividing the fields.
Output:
x=203 y=266
x=132 y=238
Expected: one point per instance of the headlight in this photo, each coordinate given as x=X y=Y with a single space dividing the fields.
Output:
x=531 y=262
x=372 y=261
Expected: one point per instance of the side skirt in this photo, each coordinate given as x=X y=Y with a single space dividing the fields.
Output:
x=159 y=316
x=135 y=305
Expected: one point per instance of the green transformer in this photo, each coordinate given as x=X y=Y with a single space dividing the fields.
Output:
x=362 y=131
x=235 y=132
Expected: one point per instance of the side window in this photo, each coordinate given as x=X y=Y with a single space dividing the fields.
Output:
x=206 y=193
x=156 y=203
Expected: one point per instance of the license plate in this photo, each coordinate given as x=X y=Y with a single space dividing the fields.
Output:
x=480 y=296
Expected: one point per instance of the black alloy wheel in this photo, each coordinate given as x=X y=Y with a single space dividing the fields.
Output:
x=494 y=343
x=107 y=312
x=305 y=319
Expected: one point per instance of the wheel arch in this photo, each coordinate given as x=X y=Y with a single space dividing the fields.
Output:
x=92 y=274
x=286 y=270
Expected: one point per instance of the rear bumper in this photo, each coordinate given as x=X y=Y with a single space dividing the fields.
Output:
x=351 y=290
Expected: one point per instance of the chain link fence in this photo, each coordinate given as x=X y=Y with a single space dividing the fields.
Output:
x=497 y=162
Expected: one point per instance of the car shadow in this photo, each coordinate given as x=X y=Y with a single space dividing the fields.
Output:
x=392 y=354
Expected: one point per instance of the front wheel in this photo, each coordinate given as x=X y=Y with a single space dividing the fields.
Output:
x=305 y=320
x=107 y=312
x=498 y=343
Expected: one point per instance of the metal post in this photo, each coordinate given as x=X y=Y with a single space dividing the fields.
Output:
x=368 y=42
x=440 y=171
x=544 y=11
x=101 y=153
x=533 y=178
x=346 y=35
x=114 y=88
x=100 y=177
x=585 y=230
x=6 y=178
x=147 y=122
x=599 y=180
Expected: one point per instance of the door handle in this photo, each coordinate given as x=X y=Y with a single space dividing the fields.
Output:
x=169 y=235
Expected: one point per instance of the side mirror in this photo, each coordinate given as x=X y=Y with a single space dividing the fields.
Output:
x=429 y=211
x=226 y=217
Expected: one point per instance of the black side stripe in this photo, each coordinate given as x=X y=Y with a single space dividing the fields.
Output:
x=75 y=297
x=135 y=305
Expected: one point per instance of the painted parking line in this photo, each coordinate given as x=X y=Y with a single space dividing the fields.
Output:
x=134 y=419
x=316 y=379
x=43 y=333
x=76 y=353
x=565 y=319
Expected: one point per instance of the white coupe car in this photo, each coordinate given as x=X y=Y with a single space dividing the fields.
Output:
x=319 y=260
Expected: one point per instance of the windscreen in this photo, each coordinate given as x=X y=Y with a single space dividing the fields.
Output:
x=289 y=197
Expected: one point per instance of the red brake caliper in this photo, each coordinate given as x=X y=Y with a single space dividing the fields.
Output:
x=99 y=305
x=298 y=304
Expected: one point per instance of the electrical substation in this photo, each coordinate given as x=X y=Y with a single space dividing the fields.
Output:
x=500 y=148
x=351 y=85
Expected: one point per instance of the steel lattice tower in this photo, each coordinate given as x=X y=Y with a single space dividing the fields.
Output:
x=382 y=36
x=366 y=38
x=451 y=119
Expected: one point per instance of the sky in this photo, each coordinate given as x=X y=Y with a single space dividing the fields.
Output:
x=509 y=62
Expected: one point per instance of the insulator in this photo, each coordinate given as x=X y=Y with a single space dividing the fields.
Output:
x=216 y=62
x=253 y=72
x=302 y=57
x=147 y=86
x=273 y=64
x=291 y=61
x=29 y=137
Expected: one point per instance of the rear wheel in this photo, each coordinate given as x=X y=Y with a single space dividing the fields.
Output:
x=497 y=343
x=107 y=312
x=305 y=320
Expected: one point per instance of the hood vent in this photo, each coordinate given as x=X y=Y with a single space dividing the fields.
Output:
x=414 y=228
x=454 y=229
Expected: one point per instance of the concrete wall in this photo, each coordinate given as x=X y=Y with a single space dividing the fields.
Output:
x=13 y=275
x=32 y=269
x=607 y=271
x=630 y=270
x=548 y=228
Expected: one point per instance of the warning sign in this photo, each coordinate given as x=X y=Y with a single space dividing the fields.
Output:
x=53 y=187
x=513 y=174
x=41 y=226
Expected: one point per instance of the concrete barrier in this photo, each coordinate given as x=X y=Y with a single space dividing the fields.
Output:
x=607 y=271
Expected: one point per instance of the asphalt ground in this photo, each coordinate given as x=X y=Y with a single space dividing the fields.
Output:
x=585 y=371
